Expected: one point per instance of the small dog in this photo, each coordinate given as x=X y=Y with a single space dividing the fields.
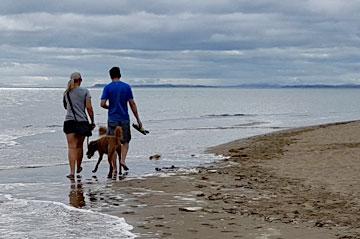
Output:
x=107 y=144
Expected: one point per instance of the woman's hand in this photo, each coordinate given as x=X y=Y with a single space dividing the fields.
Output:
x=92 y=126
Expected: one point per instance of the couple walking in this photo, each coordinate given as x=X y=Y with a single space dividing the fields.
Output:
x=77 y=101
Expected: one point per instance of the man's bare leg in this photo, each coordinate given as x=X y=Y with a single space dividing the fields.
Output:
x=124 y=151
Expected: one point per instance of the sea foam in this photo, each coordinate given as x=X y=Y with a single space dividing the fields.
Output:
x=23 y=218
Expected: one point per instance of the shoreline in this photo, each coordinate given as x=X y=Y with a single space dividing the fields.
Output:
x=285 y=184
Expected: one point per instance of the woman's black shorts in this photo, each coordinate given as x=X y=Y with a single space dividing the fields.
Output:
x=72 y=126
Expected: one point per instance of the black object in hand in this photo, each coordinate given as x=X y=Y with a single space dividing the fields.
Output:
x=141 y=130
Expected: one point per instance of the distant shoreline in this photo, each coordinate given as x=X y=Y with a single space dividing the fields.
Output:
x=243 y=86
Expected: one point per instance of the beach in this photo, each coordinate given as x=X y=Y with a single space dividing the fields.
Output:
x=251 y=110
x=256 y=190
x=297 y=183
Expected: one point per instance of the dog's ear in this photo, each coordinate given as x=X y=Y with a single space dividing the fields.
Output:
x=102 y=131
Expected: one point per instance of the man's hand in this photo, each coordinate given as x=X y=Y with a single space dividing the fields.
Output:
x=140 y=124
x=133 y=108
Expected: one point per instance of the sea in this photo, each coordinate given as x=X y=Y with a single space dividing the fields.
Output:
x=38 y=201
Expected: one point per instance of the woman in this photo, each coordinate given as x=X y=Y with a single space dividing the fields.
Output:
x=76 y=125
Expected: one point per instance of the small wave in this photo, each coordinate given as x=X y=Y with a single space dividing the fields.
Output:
x=200 y=117
x=12 y=167
x=251 y=124
x=241 y=126
x=226 y=115
x=54 y=126
x=174 y=119
x=8 y=140
x=52 y=219
x=9 y=137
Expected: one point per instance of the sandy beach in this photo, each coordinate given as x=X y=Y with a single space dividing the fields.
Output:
x=299 y=183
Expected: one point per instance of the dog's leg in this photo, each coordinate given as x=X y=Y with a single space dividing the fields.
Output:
x=110 y=168
x=112 y=158
x=98 y=162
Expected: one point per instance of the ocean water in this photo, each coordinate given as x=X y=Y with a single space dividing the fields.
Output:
x=37 y=201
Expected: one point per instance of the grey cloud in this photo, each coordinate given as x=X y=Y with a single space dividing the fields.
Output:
x=269 y=65
x=222 y=42
x=142 y=30
x=110 y=7
x=124 y=7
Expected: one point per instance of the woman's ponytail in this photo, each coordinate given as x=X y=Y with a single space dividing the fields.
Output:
x=70 y=86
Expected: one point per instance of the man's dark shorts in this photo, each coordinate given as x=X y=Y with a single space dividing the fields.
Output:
x=125 y=125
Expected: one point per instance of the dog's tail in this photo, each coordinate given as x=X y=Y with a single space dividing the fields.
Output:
x=118 y=135
x=102 y=131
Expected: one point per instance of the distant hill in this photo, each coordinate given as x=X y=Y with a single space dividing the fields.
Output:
x=160 y=86
x=246 y=86
x=323 y=86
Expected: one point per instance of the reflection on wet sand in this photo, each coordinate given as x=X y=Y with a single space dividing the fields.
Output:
x=94 y=194
x=76 y=195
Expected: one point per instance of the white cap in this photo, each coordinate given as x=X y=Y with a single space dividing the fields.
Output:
x=75 y=76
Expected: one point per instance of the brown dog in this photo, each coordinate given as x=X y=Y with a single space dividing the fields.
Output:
x=107 y=144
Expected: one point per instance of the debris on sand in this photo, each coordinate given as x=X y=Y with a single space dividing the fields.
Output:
x=155 y=157
x=172 y=168
x=190 y=209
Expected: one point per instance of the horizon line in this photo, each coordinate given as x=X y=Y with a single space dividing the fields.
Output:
x=255 y=86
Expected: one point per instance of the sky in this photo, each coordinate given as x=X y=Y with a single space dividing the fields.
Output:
x=212 y=42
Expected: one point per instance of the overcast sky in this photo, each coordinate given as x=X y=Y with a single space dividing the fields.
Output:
x=184 y=41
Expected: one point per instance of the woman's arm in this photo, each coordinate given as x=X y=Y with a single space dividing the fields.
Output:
x=64 y=103
x=90 y=110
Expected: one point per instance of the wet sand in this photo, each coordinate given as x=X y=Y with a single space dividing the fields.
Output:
x=300 y=183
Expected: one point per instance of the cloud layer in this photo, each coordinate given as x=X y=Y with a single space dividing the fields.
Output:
x=201 y=42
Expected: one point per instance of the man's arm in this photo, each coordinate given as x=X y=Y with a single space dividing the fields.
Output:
x=104 y=104
x=133 y=108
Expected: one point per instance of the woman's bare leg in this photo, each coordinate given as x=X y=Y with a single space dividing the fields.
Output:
x=72 y=152
x=80 y=152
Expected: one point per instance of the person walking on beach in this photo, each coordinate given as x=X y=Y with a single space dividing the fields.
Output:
x=76 y=125
x=115 y=98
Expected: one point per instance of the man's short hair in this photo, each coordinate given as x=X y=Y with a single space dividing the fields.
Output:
x=115 y=72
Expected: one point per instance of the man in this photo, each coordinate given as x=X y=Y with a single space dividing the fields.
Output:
x=115 y=99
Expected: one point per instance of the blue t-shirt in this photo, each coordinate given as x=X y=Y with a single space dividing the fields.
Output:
x=118 y=94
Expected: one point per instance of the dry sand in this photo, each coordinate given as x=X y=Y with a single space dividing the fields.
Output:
x=301 y=183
